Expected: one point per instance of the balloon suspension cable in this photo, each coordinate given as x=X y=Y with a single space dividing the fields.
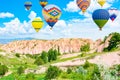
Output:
x=100 y=29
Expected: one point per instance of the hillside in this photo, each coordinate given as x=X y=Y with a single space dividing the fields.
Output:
x=65 y=45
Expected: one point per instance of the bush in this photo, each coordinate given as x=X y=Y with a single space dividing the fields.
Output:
x=69 y=70
x=17 y=55
x=39 y=61
x=52 y=72
x=44 y=56
x=85 y=48
x=86 y=65
x=3 y=69
x=20 y=70
x=30 y=76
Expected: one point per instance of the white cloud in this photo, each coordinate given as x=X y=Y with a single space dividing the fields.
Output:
x=71 y=7
x=6 y=15
x=16 y=28
x=32 y=15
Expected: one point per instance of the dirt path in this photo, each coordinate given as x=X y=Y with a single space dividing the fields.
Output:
x=108 y=59
x=69 y=55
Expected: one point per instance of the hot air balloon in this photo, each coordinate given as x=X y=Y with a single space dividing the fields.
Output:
x=101 y=2
x=37 y=24
x=113 y=13
x=83 y=4
x=43 y=3
x=51 y=14
x=100 y=17
x=28 y=5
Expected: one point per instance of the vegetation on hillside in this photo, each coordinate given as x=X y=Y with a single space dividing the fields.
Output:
x=85 y=48
x=114 y=42
x=18 y=63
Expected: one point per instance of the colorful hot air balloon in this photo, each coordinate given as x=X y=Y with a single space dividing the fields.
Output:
x=37 y=24
x=28 y=5
x=83 y=4
x=43 y=3
x=101 y=2
x=51 y=14
x=100 y=17
x=113 y=13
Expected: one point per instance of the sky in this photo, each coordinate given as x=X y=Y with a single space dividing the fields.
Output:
x=15 y=20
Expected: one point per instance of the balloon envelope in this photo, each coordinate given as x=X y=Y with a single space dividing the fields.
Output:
x=100 y=17
x=28 y=5
x=51 y=14
x=43 y=3
x=37 y=24
x=113 y=13
x=83 y=4
x=101 y=2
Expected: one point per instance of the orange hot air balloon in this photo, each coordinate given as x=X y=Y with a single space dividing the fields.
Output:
x=83 y=4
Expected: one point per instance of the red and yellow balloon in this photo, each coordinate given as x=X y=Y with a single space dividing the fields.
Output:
x=83 y=4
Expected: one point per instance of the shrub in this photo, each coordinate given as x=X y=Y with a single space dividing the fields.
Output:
x=17 y=55
x=85 y=48
x=3 y=69
x=30 y=76
x=39 y=61
x=44 y=56
x=86 y=65
x=69 y=70
x=20 y=70
x=81 y=70
x=52 y=72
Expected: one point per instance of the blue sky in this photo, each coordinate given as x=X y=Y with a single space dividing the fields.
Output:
x=15 y=21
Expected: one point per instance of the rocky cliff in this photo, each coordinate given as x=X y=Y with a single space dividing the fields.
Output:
x=65 y=45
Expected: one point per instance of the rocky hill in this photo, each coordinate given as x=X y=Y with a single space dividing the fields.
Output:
x=65 y=45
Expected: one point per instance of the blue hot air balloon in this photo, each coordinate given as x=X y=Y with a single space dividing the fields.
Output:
x=100 y=17
x=28 y=5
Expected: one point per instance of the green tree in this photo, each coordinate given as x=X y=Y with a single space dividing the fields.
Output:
x=39 y=61
x=3 y=69
x=20 y=70
x=52 y=55
x=85 y=48
x=59 y=50
x=44 y=56
x=55 y=54
x=52 y=72
x=114 y=42
x=50 y=52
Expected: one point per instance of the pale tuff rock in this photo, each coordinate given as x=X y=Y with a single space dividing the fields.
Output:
x=65 y=45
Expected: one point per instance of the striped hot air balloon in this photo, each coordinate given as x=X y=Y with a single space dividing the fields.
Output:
x=37 y=24
x=101 y=2
x=83 y=4
x=43 y=3
x=113 y=13
x=100 y=17
x=28 y=5
x=51 y=14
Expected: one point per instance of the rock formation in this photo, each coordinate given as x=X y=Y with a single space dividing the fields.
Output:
x=65 y=45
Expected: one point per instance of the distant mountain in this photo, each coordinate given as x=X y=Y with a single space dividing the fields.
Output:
x=5 y=41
